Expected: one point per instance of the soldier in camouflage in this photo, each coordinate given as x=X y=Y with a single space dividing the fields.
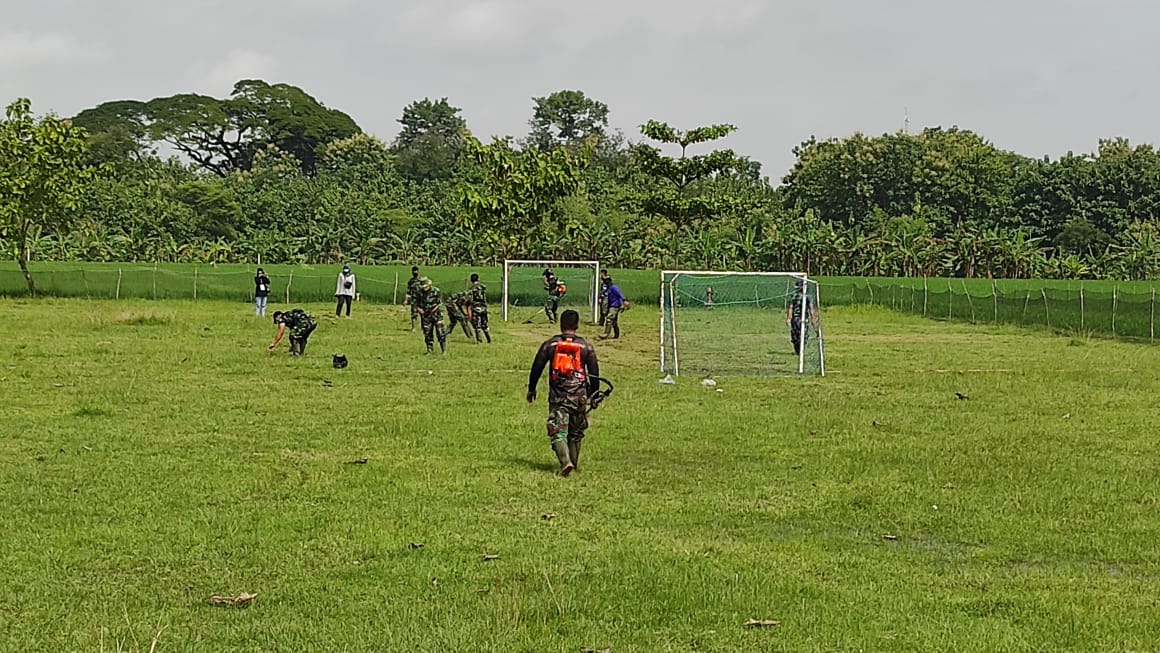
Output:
x=571 y=381
x=457 y=313
x=793 y=316
x=552 y=286
x=300 y=324
x=477 y=298
x=430 y=305
x=412 y=297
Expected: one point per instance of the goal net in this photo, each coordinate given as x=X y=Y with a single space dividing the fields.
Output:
x=524 y=292
x=740 y=323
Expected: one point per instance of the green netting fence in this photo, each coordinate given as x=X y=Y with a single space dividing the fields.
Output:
x=1101 y=309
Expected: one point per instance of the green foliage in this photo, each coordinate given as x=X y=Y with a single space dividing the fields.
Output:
x=430 y=145
x=42 y=175
x=566 y=118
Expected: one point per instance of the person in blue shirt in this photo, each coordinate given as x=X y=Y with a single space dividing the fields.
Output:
x=616 y=305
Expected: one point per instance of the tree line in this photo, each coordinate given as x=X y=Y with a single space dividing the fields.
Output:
x=270 y=173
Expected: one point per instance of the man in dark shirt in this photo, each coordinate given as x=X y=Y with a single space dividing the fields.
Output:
x=413 y=295
x=793 y=316
x=572 y=378
x=616 y=305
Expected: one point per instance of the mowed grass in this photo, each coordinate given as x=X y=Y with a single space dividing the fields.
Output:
x=153 y=455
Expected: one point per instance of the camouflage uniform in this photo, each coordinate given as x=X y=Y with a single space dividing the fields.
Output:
x=552 y=303
x=605 y=283
x=300 y=324
x=456 y=313
x=431 y=303
x=413 y=294
x=567 y=398
x=478 y=299
x=795 y=324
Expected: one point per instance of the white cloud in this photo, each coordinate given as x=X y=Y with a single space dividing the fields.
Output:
x=218 y=79
x=23 y=49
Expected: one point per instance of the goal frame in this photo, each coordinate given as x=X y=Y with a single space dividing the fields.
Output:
x=595 y=265
x=675 y=274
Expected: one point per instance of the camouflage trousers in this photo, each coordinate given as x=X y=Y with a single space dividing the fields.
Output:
x=551 y=306
x=568 y=418
x=433 y=328
x=458 y=319
x=479 y=322
x=795 y=335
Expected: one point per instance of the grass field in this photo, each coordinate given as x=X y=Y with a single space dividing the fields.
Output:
x=153 y=456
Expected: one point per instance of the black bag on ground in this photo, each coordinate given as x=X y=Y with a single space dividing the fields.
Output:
x=339 y=361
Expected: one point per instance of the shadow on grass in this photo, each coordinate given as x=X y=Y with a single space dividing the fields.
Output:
x=536 y=466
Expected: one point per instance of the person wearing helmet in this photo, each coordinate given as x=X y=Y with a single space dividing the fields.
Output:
x=555 y=291
x=430 y=307
x=477 y=297
x=793 y=315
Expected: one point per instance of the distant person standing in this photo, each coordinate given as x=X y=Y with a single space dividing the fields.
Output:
x=261 y=292
x=344 y=291
x=414 y=294
x=709 y=297
x=616 y=305
x=605 y=282
x=477 y=297
x=794 y=316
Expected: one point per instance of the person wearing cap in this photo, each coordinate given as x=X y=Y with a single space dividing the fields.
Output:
x=477 y=297
x=344 y=291
x=555 y=291
x=261 y=292
x=431 y=310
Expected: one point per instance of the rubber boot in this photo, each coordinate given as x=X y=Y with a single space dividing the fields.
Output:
x=574 y=453
x=488 y=334
x=561 y=449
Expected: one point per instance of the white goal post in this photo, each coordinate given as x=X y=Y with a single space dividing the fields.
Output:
x=591 y=286
x=720 y=322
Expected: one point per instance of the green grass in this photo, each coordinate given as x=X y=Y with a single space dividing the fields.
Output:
x=153 y=455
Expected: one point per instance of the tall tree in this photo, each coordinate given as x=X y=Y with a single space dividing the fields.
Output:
x=566 y=118
x=519 y=189
x=681 y=197
x=430 y=145
x=223 y=135
x=42 y=175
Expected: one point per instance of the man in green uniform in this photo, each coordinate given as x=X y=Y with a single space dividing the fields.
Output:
x=477 y=297
x=555 y=291
x=571 y=381
x=431 y=310
x=412 y=297
x=300 y=324
x=457 y=313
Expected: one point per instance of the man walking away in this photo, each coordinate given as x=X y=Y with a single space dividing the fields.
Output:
x=615 y=307
x=300 y=324
x=573 y=377
x=477 y=297
x=261 y=292
x=412 y=297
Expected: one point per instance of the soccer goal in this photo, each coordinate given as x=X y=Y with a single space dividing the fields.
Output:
x=740 y=323
x=523 y=287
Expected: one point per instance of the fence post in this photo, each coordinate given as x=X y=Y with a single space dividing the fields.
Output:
x=1115 y=301
x=950 y=300
x=1081 y=306
x=155 y=280
x=870 y=288
x=995 y=301
x=1026 y=301
x=289 y=282
x=970 y=302
x=924 y=296
x=117 y=294
x=85 y=281
x=1152 y=317
x=195 y=283
x=1046 y=312
x=395 y=292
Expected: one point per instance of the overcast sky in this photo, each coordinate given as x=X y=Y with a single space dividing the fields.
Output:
x=1036 y=76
